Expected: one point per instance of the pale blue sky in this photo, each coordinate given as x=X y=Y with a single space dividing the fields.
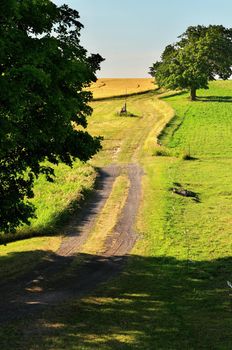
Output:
x=131 y=34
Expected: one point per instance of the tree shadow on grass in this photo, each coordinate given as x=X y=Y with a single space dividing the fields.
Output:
x=155 y=303
x=214 y=98
x=175 y=93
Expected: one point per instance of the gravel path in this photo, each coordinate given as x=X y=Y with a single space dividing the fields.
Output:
x=36 y=291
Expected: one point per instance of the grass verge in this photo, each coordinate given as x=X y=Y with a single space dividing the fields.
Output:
x=18 y=258
x=55 y=202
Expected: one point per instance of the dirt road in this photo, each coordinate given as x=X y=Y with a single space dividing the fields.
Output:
x=40 y=289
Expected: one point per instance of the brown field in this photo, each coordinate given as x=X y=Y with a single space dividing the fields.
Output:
x=109 y=87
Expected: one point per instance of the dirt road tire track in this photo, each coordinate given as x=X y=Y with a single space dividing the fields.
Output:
x=33 y=293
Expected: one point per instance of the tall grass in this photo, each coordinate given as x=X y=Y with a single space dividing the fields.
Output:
x=55 y=202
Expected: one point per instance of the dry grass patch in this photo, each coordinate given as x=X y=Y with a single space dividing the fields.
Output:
x=108 y=87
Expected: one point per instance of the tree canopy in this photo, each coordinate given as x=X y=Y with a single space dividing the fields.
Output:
x=43 y=73
x=202 y=54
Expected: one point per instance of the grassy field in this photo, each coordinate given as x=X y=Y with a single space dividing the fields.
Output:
x=106 y=87
x=211 y=115
x=173 y=293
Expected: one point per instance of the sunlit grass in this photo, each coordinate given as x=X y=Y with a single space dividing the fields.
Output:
x=107 y=87
x=52 y=199
x=204 y=127
x=55 y=202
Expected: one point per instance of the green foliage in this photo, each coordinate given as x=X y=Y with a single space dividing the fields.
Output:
x=201 y=54
x=43 y=70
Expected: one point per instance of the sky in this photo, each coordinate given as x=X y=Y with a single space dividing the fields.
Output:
x=132 y=34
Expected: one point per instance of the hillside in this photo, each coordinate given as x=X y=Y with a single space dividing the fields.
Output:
x=172 y=290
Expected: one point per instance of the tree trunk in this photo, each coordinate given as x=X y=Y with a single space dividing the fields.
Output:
x=193 y=94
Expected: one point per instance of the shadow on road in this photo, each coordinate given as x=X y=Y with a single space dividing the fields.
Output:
x=156 y=303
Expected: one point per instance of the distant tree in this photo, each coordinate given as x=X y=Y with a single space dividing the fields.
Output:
x=43 y=73
x=201 y=54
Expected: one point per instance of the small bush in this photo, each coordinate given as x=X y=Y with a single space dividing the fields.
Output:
x=161 y=152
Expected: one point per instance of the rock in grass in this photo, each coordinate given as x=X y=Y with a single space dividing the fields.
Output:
x=185 y=193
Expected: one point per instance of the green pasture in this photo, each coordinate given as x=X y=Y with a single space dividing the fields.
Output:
x=204 y=128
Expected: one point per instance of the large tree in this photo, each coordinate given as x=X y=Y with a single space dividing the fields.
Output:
x=202 y=54
x=43 y=73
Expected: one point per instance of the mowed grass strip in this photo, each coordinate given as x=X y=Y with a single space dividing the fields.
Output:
x=108 y=217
